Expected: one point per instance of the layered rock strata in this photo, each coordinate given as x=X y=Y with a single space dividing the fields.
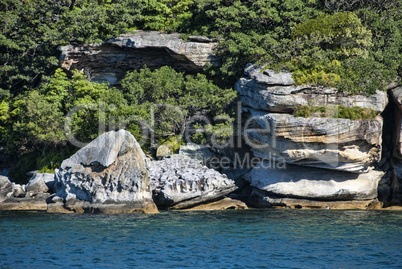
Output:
x=338 y=144
x=323 y=160
x=279 y=186
x=111 y=60
x=333 y=143
x=273 y=92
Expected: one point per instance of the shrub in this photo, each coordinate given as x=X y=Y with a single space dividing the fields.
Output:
x=174 y=98
x=336 y=112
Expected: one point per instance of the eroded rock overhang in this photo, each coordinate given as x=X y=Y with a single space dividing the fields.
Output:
x=112 y=59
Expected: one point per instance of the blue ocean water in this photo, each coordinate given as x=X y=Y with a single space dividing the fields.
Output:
x=219 y=239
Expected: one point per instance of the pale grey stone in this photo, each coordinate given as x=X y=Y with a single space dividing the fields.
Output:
x=269 y=91
x=18 y=190
x=200 y=38
x=337 y=144
x=180 y=182
x=286 y=98
x=268 y=76
x=104 y=150
x=40 y=182
x=108 y=172
x=6 y=188
x=294 y=181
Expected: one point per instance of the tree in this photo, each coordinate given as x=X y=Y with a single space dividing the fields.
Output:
x=174 y=98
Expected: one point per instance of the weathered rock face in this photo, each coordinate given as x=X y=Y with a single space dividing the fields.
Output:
x=14 y=197
x=293 y=181
x=222 y=204
x=40 y=182
x=339 y=144
x=6 y=188
x=111 y=60
x=180 y=182
x=327 y=160
x=260 y=199
x=108 y=175
x=273 y=133
x=269 y=91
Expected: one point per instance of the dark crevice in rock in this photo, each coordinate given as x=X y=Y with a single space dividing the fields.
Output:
x=389 y=129
x=388 y=189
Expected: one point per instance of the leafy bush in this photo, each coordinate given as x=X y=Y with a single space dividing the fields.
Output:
x=214 y=134
x=38 y=118
x=174 y=98
x=342 y=32
x=336 y=112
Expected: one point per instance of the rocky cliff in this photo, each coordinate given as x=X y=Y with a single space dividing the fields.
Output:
x=340 y=152
x=111 y=60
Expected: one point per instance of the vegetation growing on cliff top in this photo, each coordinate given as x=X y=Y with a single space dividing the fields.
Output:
x=335 y=112
x=285 y=33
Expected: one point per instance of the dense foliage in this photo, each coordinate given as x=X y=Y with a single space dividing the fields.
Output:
x=352 y=45
x=335 y=112
x=176 y=101
x=154 y=105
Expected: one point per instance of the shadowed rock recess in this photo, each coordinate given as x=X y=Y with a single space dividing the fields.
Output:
x=324 y=162
x=111 y=60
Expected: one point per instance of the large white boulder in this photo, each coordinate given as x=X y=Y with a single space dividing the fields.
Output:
x=108 y=175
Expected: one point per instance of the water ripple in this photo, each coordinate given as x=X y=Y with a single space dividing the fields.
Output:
x=229 y=239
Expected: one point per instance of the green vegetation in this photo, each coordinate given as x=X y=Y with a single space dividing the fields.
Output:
x=158 y=104
x=44 y=161
x=320 y=46
x=354 y=46
x=174 y=98
x=173 y=142
x=335 y=112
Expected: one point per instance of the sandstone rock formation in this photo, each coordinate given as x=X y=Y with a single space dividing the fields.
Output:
x=260 y=199
x=180 y=182
x=111 y=60
x=294 y=186
x=222 y=204
x=339 y=144
x=108 y=175
x=15 y=197
x=328 y=160
x=274 y=133
x=6 y=188
x=293 y=181
x=269 y=91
